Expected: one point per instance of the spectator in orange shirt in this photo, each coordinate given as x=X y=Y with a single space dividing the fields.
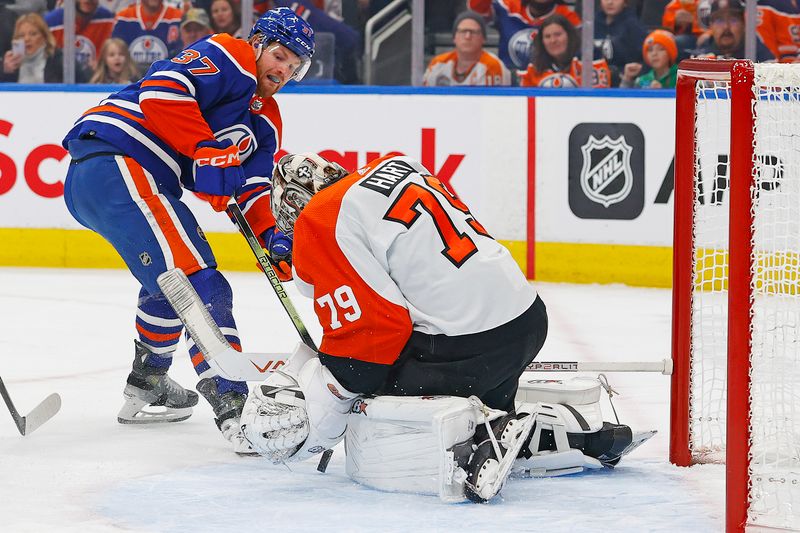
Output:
x=554 y=58
x=468 y=63
x=93 y=25
x=518 y=21
x=686 y=17
x=779 y=22
x=151 y=29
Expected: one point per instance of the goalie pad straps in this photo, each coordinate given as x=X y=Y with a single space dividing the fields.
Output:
x=549 y=451
x=413 y=444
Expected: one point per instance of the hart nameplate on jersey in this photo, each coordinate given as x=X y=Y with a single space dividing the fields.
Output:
x=387 y=176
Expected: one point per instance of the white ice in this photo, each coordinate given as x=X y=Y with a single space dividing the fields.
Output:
x=70 y=331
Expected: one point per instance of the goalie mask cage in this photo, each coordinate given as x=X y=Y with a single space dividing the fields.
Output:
x=736 y=284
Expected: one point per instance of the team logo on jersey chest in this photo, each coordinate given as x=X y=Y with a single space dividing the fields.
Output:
x=386 y=177
x=606 y=171
x=240 y=136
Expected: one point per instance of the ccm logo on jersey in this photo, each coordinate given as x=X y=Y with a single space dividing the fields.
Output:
x=223 y=160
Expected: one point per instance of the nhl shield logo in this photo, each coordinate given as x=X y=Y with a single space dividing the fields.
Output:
x=606 y=176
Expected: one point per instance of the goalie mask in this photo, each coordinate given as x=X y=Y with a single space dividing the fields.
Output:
x=296 y=178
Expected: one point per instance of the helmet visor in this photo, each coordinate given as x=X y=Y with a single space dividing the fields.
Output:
x=297 y=66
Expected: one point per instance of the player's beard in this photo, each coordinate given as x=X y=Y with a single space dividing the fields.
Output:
x=267 y=87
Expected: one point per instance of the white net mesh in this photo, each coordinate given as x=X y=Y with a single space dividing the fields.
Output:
x=775 y=296
x=775 y=290
x=710 y=294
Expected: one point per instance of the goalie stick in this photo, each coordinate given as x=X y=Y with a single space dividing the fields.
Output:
x=266 y=266
x=256 y=366
x=40 y=414
x=664 y=366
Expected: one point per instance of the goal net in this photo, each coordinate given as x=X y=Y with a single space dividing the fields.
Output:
x=736 y=286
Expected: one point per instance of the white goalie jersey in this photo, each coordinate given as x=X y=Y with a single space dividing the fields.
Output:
x=388 y=249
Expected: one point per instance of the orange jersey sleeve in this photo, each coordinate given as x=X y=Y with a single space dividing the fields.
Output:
x=357 y=322
x=484 y=7
x=779 y=29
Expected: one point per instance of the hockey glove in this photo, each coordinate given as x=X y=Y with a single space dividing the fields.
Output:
x=217 y=172
x=279 y=247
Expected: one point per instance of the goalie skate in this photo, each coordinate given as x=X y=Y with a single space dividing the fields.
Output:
x=491 y=461
x=151 y=396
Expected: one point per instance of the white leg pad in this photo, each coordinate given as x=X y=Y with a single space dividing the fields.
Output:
x=405 y=444
x=580 y=395
x=573 y=391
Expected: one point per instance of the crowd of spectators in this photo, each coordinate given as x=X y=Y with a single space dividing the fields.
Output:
x=540 y=40
x=534 y=43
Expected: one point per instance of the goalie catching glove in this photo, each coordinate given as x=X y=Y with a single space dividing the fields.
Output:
x=295 y=414
x=217 y=172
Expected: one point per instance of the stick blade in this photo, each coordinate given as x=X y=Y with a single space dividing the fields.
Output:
x=47 y=409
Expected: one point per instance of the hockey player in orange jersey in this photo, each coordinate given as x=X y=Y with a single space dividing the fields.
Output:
x=420 y=306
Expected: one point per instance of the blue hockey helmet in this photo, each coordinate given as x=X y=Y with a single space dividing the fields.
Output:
x=283 y=26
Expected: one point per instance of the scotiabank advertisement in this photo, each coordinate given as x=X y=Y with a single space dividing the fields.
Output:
x=476 y=145
x=564 y=172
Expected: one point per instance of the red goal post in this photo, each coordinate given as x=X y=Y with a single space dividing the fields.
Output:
x=736 y=284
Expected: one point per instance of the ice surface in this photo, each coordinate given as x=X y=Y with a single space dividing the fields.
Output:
x=70 y=331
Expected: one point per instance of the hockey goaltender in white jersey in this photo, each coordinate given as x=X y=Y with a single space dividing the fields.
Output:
x=428 y=324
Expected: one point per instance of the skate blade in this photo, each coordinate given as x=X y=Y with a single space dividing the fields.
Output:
x=136 y=411
x=638 y=439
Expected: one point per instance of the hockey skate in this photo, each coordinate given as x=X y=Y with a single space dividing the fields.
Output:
x=228 y=410
x=151 y=396
x=569 y=434
x=494 y=453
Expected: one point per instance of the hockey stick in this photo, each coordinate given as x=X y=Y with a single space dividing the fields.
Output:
x=266 y=266
x=40 y=414
x=207 y=336
x=664 y=366
x=255 y=366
